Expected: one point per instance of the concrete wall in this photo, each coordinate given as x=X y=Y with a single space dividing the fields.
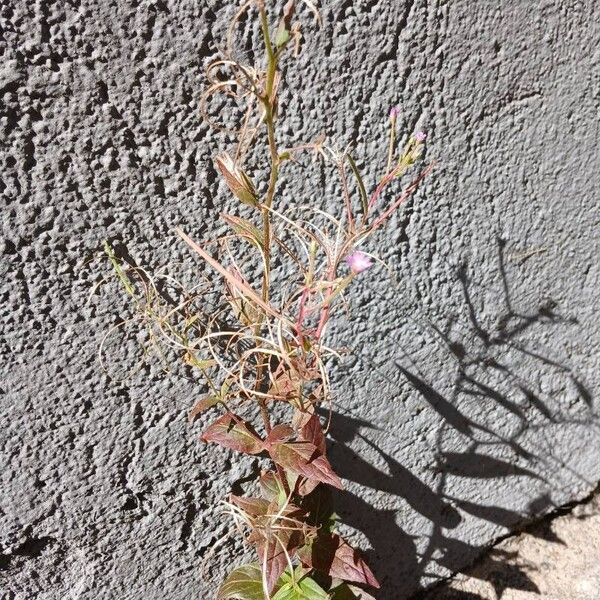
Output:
x=470 y=404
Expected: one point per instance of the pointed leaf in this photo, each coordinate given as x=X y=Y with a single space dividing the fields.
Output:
x=286 y=385
x=251 y=506
x=361 y=186
x=235 y=178
x=271 y=487
x=279 y=433
x=349 y=592
x=319 y=505
x=243 y=583
x=312 y=432
x=303 y=459
x=272 y=556
x=281 y=539
x=333 y=555
x=243 y=288
x=202 y=405
x=305 y=588
x=244 y=227
x=202 y=364
x=232 y=432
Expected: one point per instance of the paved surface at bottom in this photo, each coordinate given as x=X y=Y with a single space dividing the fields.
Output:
x=558 y=559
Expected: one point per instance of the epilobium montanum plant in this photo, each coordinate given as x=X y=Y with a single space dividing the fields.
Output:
x=262 y=350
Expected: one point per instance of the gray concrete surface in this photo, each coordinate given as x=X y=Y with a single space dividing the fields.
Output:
x=470 y=403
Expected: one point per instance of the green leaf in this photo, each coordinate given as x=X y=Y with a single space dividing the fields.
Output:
x=118 y=269
x=287 y=592
x=243 y=583
x=361 y=186
x=282 y=36
x=244 y=228
x=349 y=592
x=199 y=363
x=304 y=588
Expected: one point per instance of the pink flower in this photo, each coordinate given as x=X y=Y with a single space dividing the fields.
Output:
x=420 y=136
x=358 y=262
x=394 y=112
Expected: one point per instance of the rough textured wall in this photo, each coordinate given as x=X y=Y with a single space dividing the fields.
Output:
x=470 y=403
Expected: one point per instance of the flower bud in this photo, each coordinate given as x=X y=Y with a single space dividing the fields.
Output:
x=358 y=262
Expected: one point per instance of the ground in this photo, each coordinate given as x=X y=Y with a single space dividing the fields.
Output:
x=557 y=559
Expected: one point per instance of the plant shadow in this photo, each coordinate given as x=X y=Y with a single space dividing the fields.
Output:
x=483 y=359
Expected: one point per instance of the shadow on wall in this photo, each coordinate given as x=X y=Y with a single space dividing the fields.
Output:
x=481 y=356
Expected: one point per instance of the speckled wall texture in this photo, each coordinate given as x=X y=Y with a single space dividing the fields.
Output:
x=469 y=403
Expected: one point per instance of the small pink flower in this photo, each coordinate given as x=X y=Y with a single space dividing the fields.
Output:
x=358 y=262
x=394 y=112
x=420 y=136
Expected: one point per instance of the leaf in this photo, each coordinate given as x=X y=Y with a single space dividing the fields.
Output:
x=243 y=288
x=312 y=432
x=349 y=592
x=319 y=505
x=235 y=178
x=251 y=506
x=287 y=592
x=303 y=459
x=333 y=555
x=282 y=535
x=282 y=36
x=361 y=186
x=271 y=487
x=244 y=227
x=232 y=432
x=274 y=562
x=286 y=385
x=244 y=310
x=108 y=249
x=202 y=405
x=201 y=364
x=243 y=583
x=279 y=433
x=305 y=589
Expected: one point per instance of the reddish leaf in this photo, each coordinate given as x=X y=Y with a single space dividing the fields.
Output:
x=313 y=432
x=274 y=562
x=251 y=506
x=332 y=555
x=301 y=417
x=279 y=536
x=307 y=486
x=234 y=433
x=286 y=385
x=202 y=405
x=279 y=433
x=303 y=459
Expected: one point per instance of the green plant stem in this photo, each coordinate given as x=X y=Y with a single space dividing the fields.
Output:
x=268 y=101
